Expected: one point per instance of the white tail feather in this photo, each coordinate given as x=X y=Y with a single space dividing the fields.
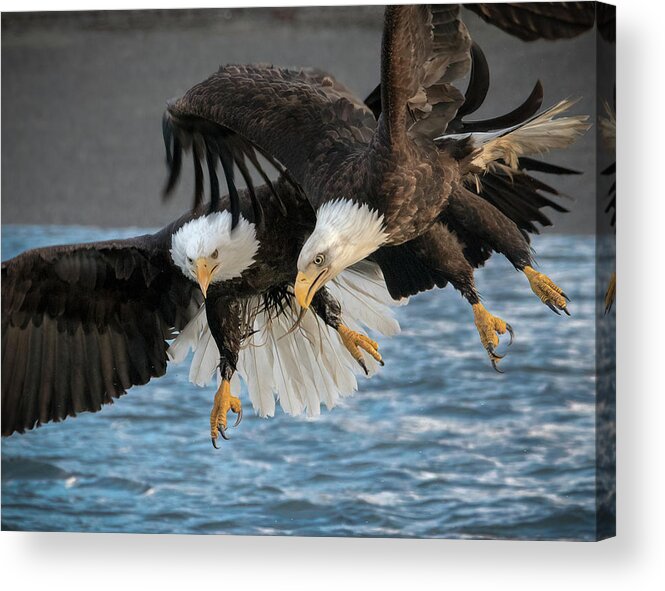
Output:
x=305 y=367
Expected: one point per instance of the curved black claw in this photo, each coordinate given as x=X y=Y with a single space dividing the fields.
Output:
x=566 y=311
x=361 y=362
x=511 y=333
x=222 y=432
x=381 y=363
x=565 y=296
x=495 y=366
x=238 y=419
x=491 y=351
x=551 y=306
x=214 y=442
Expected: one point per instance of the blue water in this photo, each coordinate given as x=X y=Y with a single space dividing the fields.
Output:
x=437 y=445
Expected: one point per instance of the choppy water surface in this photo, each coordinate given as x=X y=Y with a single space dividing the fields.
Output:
x=437 y=445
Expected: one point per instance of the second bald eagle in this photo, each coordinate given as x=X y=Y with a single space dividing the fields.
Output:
x=409 y=181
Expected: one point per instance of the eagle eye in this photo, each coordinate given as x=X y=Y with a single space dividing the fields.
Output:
x=190 y=261
x=215 y=254
x=319 y=259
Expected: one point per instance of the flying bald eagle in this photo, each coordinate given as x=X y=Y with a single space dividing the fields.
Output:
x=83 y=323
x=405 y=179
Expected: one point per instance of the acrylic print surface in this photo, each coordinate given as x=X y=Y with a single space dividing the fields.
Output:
x=341 y=271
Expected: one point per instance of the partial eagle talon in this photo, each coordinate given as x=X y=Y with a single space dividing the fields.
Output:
x=489 y=328
x=551 y=306
x=223 y=403
x=547 y=291
x=493 y=354
x=511 y=333
x=494 y=362
x=354 y=342
x=238 y=419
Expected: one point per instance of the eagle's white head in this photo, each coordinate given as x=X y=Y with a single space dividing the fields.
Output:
x=345 y=233
x=207 y=251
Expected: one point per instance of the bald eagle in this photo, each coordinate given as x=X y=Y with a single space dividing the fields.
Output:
x=83 y=323
x=405 y=179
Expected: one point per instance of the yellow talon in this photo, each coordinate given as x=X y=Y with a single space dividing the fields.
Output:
x=489 y=327
x=549 y=292
x=354 y=341
x=223 y=403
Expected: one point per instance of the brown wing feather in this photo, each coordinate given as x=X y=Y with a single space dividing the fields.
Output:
x=302 y=120
x=83 y=323
x=424 y=49
x=539 y=20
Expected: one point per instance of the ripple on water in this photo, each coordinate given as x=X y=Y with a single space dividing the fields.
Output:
x=22 y=468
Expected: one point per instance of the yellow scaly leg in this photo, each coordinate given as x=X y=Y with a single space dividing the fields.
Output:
x=549 y=292
x=489 y=327
x=354 y=341
x=223 y=403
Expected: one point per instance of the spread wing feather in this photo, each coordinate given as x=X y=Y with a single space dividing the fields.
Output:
x=303 y=122
x=538 y=20
x=81 y=324
x=425 y=48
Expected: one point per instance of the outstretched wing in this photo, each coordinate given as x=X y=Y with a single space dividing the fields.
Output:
x=300 y=120
x=539 y=20
x=83 y=323
x=425 y=48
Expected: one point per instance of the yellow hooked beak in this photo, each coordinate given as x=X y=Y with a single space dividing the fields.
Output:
x=307 y=284
x=203 y=275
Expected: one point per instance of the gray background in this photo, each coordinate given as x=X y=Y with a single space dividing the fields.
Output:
x=83 y=95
